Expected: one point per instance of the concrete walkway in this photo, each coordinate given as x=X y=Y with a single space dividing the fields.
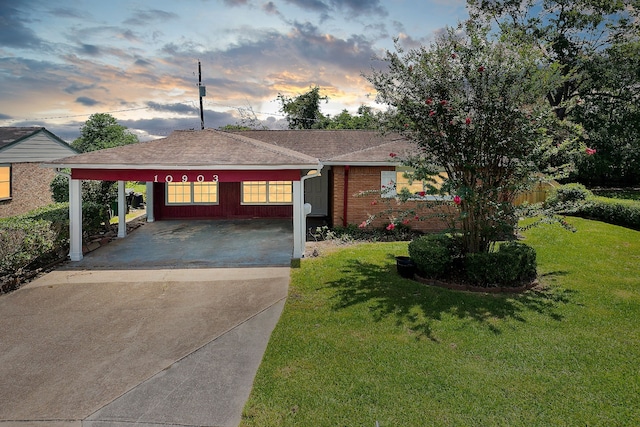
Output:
x=135 y=347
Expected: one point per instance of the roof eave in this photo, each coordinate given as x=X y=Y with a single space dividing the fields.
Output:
x=180 y=167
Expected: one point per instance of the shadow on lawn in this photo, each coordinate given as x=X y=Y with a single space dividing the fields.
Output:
x=417 y=306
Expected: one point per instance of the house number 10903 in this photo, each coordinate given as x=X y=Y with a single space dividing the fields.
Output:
x=185 y=178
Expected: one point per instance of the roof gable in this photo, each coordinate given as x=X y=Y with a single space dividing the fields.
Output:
x=31 y=144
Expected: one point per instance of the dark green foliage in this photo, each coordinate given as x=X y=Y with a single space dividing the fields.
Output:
x=625 y=213
x=22 y=240
x=512 y=264
x=568 y=197
x=303 y=111
x=102 y=131
x=40 y=234
x=433 y=254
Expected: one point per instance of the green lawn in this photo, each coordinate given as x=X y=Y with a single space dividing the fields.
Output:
x=357 y=344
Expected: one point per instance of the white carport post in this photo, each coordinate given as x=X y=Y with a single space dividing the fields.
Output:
x=122 y=210
x=149 y=202
x=298 y=218
x=300 y=212
x=75 y=219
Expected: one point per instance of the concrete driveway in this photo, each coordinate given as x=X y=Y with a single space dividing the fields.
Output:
x=146 y=343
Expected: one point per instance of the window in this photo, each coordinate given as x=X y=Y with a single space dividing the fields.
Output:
x=267 y=192
x=392 y=182
x=5 y=182
x=192 y=193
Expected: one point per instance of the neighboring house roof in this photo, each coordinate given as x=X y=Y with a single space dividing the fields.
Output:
x=193 y=149
x=337 y=147
x=31 y=144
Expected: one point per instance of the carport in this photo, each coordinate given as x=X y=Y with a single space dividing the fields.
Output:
x=221 y=162
x=202 y=244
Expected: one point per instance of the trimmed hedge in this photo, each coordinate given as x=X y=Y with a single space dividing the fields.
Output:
x=434 y=254
x=439 y=256
x=625 y=213
x=511 y=265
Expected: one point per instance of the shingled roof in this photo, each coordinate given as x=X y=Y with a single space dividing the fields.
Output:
x=260 y=149
x=337 y=146
x=193 y=149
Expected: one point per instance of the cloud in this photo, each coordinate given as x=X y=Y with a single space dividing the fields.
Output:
x=234 y=3
x=270 y=8
x=5 y=117
x=66 y=12
x=89 y=49
x=76 y=87
x=86 y=101
x=14 y=32
x=352 y=8
x=147 y=17
x=173 y=108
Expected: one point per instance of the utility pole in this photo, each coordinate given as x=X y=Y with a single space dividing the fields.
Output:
x=202 y=92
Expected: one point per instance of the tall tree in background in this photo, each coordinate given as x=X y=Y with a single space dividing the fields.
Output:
x=570 y=33
x=99 y=132
x=303 y=111
x=594 y=43
x=102 y=131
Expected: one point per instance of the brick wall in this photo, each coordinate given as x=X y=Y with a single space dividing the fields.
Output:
x=30 y=189
x=359 y=207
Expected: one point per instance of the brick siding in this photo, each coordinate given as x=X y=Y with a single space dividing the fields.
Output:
x=359 y=207
x=30 y=189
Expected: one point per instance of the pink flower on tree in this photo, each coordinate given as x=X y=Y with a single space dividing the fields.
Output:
x=422 y=193
x=432 y=113
x=429 y=101
x=406 y=221
x=391 y=226
x=468 y=120
x=480 y=69
x=457 y=199
x=590 y=151
x=392 y=155
x=375 y=202
x=454 y=56
x=417 y=218
x=363 y=224
x=443 y=102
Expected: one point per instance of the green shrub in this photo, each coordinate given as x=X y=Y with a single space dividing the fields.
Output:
x=434 y=254
x=621 y=212
x=41 y=233
x=568 y=197
x=512 y=264
x=22 y=240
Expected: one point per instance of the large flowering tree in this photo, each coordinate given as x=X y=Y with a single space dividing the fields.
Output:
x=473 y=105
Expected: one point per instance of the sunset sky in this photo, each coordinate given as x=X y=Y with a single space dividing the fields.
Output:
x=61 y=61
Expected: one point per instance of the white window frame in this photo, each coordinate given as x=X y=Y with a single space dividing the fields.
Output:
x=388 y=188
x=267 y=187
x=191 y=187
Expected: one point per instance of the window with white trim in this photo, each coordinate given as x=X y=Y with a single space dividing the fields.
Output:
x=5 y=182
x=267 y=192
x=192 y=193
x=393 y=182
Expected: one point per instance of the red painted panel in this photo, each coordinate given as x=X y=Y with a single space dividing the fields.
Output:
x=185 y=175
x=229 y=206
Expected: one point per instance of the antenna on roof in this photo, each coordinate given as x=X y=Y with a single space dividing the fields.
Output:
x=202 y=92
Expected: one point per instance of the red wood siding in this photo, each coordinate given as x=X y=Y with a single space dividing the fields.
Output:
x=229 y=206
